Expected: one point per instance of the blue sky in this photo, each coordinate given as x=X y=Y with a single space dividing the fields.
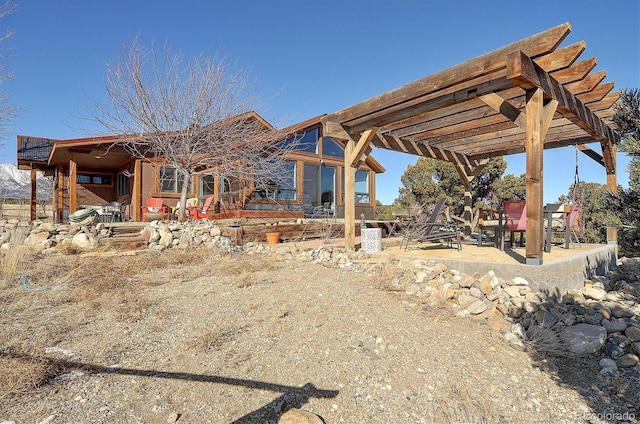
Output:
x=309 y=57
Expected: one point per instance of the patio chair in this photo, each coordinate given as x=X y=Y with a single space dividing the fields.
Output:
x=515 y=217
x=423 y=228
x=154 y=205
x=197 y=213
x=190 y=203
x=563 y=218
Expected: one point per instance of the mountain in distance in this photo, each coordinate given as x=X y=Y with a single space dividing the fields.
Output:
x=16 y=184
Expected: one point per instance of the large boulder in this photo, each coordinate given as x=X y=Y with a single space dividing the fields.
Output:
x=584 y=338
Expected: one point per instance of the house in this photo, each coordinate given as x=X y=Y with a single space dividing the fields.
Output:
x=97 y=171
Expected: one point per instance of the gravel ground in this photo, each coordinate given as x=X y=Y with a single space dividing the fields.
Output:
x=207 y=343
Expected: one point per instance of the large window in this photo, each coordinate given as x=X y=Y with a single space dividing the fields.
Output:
x=95 y=179
x=287 y=187
x=320 y=185
x=361 y=186
x=284 y=187
x=330 y=147
x=307 y=142
x=171 y=180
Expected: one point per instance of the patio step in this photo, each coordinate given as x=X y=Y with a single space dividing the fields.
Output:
x=125 y=236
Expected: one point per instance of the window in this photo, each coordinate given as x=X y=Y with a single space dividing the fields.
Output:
x=206 y=185
x=284 y=187
x=307 y=142
x=361 y=186
x=330 y=147
x=95 y=179
x=123 y=183
x=287 y=183
x=171 y=180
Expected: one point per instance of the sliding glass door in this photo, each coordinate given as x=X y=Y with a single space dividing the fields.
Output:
x=320 y=186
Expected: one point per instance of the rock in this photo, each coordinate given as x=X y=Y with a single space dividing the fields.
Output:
x=166 y=236
x=36 y=238
x=514 y=341
x=618 y=310
x=173 y=417
x=476 y=292
x=519 y=281
x=614 y=326
x=608 y=363
x=472 y=304
x=299 y=416
x=83 y=241
x=615 y=347
x=628 y=360
x=513 y=291
x=584 y=338
x=636 y=347
x=548 y=365
x=594 y=292
x=633 y=334
x=440 y=268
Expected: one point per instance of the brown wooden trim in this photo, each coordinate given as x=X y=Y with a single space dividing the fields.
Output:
x=73 y=194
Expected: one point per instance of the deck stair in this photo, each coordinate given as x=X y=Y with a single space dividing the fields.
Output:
x=125 y=236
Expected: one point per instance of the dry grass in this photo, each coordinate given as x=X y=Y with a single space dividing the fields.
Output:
x=244 y=271
x=20 y=375
x=63 y=291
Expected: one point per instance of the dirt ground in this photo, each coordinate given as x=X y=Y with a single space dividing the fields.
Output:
x=208 y=337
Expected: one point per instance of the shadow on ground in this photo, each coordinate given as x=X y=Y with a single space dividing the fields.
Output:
x=291 y=397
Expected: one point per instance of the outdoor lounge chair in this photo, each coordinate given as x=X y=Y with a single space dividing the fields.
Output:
x=423 y=228
x=197 y=213
x=154 y=206
x=191 y=202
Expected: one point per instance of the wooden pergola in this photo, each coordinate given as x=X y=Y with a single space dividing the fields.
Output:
x=523 y=98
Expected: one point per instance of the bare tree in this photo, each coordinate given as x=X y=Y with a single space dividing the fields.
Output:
x=193 y=115
x=7 y=108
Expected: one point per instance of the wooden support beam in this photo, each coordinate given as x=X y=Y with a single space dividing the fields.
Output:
x=34 y=195
x=534 y=145
x=349 y=197
x=73 y=177
x=591 y=153
x=505 y=108
x=335 y=130
x=362 y=149
x=136 y=196
x=609 y=155
x=467 y=215
x=60 y=192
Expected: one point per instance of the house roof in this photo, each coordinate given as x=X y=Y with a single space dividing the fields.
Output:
x=103 y=152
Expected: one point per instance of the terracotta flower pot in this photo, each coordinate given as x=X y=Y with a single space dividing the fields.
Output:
x=273 y=238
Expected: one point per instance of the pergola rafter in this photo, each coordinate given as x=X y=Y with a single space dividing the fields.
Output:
x=525 y=97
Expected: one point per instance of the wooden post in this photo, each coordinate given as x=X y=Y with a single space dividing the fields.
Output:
x=73 y=195
x=609 y=150
x=60 y=193
x=349 y=197
x=534 y=145
x=136 y=201
x=34 y=194
x=56 y=219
